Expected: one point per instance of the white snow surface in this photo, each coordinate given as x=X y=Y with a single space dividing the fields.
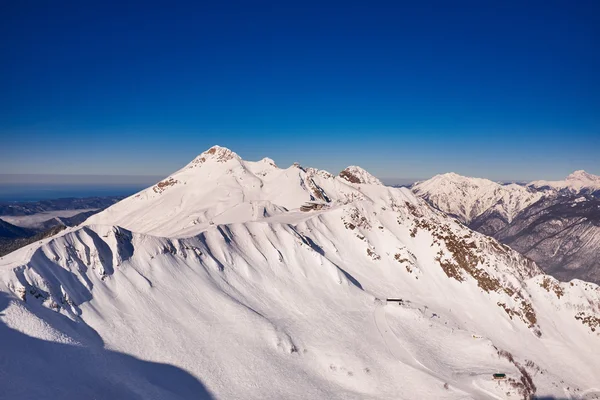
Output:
x=467 y=198
x=213 y=284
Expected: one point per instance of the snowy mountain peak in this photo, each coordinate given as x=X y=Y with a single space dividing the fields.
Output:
x=269 y=161
x=452 y=178
x=215 y=153
x=450 y=182
x=357 y=175
x=467 y=198
x=583 y=176
x=451 y=175
x=320 y=172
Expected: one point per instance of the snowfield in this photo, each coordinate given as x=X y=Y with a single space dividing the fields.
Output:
x=214 y=284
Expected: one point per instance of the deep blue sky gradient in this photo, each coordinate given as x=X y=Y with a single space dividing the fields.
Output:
x=497 y=89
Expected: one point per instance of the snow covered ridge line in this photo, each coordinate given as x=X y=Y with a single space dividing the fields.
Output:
x=246 y=276
x=468 y=198
x=251 y=182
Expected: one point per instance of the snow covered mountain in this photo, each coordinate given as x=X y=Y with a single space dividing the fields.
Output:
x=467 y=198
x=241 y=280
x=579 y=182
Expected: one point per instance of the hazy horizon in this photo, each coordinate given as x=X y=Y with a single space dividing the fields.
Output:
x=91 y=179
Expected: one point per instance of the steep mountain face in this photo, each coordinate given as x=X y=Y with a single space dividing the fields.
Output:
x=468 y=198
x=214 y=283
x=560 y=233
x=553 y=223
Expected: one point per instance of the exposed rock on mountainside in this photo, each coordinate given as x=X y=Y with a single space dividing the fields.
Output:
x=357 y=175
x=163 y=185
x=216 y=153
x=225 y=277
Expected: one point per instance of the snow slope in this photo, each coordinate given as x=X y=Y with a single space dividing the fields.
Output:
x=213 y=284
x=467 y=198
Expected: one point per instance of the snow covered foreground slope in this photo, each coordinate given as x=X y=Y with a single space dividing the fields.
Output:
x=214 y=284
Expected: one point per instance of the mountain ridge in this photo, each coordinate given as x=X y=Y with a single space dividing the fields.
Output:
x=217 y=270
x=467 y=198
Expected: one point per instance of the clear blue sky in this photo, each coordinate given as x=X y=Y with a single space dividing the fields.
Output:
x=498 y=89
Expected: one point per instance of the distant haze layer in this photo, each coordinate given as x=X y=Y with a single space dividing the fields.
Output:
x=25 y=179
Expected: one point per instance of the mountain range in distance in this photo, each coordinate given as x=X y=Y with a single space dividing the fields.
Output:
x=555 y=223
x=22 y=223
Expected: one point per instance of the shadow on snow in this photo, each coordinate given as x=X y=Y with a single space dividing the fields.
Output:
x=35 y=368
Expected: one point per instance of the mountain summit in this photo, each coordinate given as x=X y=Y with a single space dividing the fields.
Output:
x=357 y=175
x=232 y=279
x=217 y=154
x=583 y=176
x=579 y=182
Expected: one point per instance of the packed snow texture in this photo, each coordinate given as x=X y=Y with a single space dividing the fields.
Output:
x=214 y=284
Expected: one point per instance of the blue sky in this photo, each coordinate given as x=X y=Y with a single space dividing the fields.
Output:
x=503 y=90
